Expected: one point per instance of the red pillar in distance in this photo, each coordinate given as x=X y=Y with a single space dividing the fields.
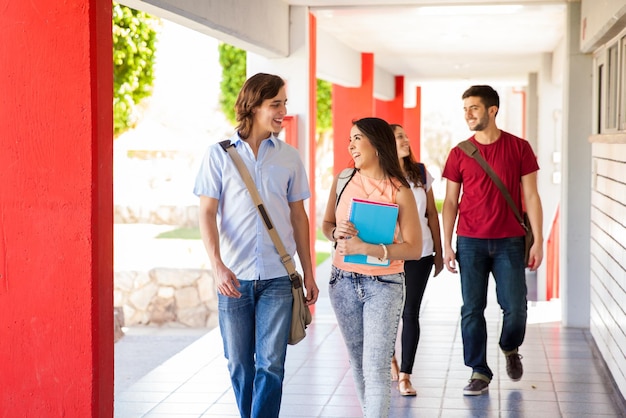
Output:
x=351 y=103
x=413 y=124
x=392 y=110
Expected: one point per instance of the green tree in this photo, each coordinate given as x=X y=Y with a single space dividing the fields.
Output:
x=324 y=107
x=323 y=147
x=233 y=62
x=134 y=37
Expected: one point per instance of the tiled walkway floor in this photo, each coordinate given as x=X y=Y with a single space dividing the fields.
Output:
x=562 y=376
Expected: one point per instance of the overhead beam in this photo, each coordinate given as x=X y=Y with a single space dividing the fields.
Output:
x=260 y=26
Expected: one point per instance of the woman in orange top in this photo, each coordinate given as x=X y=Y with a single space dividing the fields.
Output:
x=368 y=299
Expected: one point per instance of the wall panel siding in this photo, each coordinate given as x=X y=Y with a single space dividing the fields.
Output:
x=613 y=362
x=608 y=257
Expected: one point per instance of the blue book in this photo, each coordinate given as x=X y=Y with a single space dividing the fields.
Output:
x=376 y=223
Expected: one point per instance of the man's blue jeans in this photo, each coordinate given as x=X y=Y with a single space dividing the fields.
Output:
x=504 y=258
x=368 y=310
x=254 y=330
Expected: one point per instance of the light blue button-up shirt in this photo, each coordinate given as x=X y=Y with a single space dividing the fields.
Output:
x=245 y=245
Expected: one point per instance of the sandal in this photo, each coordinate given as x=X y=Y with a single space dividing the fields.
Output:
x=406 y=388
x=395 y=370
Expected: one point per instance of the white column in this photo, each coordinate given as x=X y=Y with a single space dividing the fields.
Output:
x=549 y=96
x=576 y=190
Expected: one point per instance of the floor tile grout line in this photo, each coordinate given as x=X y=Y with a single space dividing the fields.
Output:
x=539 y=343
x=550 y=371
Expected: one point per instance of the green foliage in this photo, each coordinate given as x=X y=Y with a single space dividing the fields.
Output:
x=134 y=37
x=324 y=106
x=194 y=234
x=181 y=233
x=233 y=62
x=439 y=204
x=320 y=257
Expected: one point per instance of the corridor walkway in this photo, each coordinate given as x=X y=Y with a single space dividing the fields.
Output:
x=562 y=375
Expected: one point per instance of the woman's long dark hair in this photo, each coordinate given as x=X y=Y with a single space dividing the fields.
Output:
x=411 y=167
x=382 y=138
x=255 y=90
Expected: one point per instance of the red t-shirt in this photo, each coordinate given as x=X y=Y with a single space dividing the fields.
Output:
x=483 y=211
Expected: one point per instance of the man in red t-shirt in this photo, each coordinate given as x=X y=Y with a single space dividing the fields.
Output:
x=489 y=237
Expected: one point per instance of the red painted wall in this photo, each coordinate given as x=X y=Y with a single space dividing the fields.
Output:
x=349 y=104
x=413 y=124
x=312 y=141
x=552 y=259
x=353 y=103
x=392 y=110
x=56 y=222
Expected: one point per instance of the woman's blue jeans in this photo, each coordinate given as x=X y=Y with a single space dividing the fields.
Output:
x=368 y=310
x=255 y=328
x=504 y=258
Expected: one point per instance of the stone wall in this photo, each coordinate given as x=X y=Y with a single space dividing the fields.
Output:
x=183 y=297
x=181 y=216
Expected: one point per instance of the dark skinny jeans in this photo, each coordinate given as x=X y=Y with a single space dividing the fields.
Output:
x=416 y=273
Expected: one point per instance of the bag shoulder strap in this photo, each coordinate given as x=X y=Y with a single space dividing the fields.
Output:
x=342 y=181
x=470 y=149
x=285 y=258
x=422 y=169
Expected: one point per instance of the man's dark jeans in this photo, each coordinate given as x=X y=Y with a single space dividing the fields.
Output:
x=504 y=258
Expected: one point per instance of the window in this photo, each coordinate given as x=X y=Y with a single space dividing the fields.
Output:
x=622 y=96
x=600 y=95
x=611 y=91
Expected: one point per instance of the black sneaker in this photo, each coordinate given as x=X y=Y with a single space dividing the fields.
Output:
x=514 y=367
x=476 y=387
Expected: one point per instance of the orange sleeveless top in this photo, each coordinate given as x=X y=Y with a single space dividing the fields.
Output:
x=362 y=187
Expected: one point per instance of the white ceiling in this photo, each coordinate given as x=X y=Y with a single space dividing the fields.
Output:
x=443 y=40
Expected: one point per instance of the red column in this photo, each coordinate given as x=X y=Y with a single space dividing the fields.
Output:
x=552 y=259
x=392 y=110
x=349 y=104
x=56 y=218
x=413 y=124
x=312 y=137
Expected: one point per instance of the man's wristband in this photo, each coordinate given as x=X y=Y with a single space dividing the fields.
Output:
x=332 y=235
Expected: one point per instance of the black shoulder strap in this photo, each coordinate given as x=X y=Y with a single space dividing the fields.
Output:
x=470 y=149
x=422 y=169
